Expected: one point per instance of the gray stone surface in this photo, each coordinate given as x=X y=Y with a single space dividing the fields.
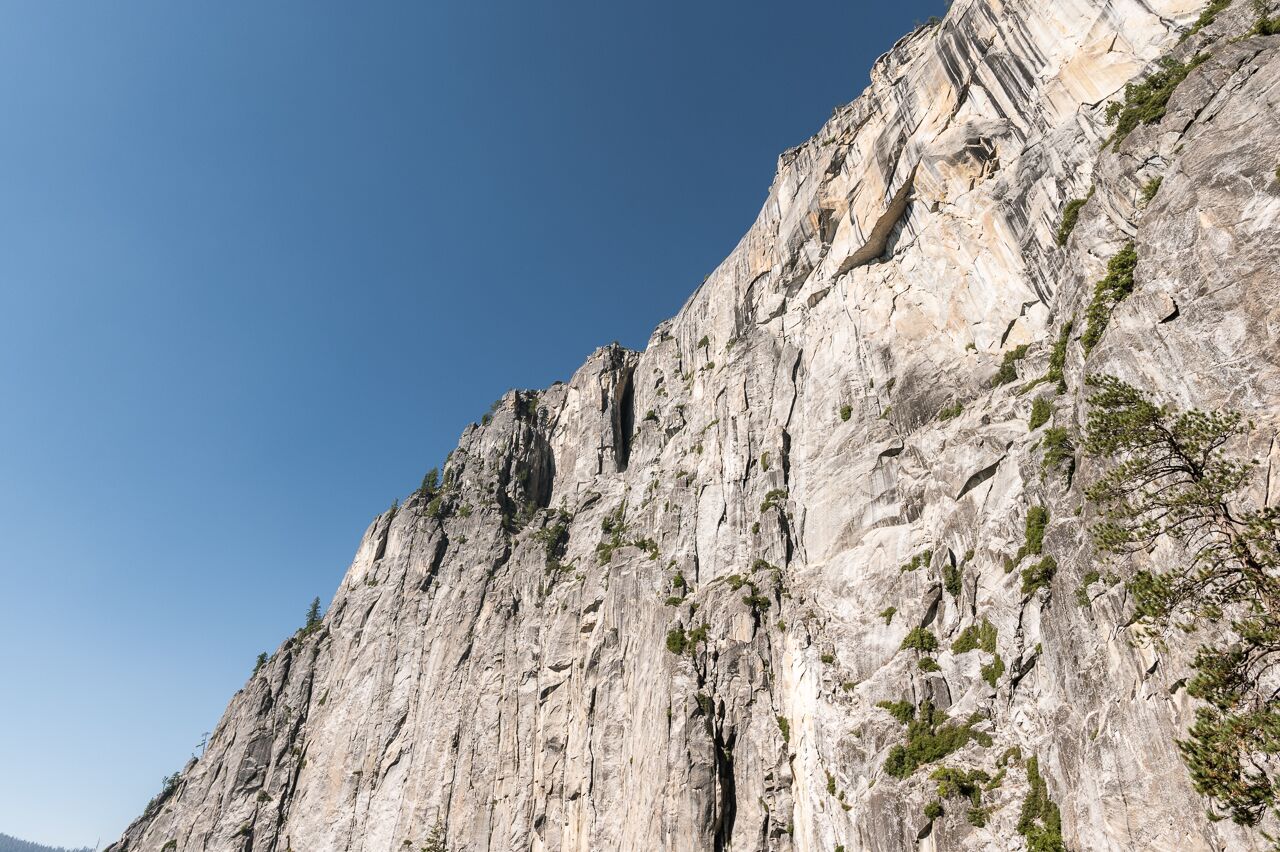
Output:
x=459 y=678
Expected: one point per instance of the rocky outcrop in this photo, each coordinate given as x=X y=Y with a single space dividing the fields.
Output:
x=663 y=606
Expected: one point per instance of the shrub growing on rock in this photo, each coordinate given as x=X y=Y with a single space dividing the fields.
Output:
x=1009 y=366
x=920 y=639
x=1146 y=100
x=1071 y=215
x=1107 y=293
x=1040 y=821
x=929 y=739
x=1041 y=411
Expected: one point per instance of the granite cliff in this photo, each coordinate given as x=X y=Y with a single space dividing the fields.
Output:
x=689 y=599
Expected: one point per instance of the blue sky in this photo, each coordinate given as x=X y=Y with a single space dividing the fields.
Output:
x=260 y=263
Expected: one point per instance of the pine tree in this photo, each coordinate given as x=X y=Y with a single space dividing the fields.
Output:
x=435 y=840
x=313 y=615
x=1172 y=476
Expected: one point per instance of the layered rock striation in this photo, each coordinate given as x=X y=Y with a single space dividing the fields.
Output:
x=680 y=602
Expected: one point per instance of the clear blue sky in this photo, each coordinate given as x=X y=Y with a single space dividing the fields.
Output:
x=260 y=263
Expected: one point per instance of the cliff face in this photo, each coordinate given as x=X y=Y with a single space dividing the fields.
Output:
x=656 y=607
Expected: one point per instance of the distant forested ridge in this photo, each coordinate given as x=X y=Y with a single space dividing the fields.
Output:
x=13 y=844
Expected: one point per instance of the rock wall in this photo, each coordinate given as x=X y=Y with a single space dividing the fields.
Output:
x=656 y=607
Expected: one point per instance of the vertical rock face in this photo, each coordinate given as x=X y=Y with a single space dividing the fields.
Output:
x=657 y=607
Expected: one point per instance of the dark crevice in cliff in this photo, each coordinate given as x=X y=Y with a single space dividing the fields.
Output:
x=434 y=563
x=980 y=477
x=624 y=418
x=726 y=810
x=384 y=533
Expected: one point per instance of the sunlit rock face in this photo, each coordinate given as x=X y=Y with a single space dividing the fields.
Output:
x=656 y=607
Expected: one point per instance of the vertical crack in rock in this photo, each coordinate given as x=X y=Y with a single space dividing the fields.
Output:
x=624 y=418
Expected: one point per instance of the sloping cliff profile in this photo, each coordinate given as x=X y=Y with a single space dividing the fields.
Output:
x=855 y=554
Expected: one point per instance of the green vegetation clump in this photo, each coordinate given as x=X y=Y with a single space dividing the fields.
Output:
x=1107 y=293
x=758 y=602
x=957 y=783
x=1082 y=591
x=1145 y=102
x=1071 y=215
x=1058 y=357
x=1206 y=17
x=1150 y=188
x=1265 y=25
x=982 y=636
x=262 y=661
x=1040 y=822
x=920 y=560
x=1170 y=474
x=846 y=411
x=680 y=642
x=764 y=462
x=435 y=840
x=430 y=483
x=766 y=565
x=1041 y=411
x=1037 y=520
x=991 y=671
x=952 y=579
x=168 y=786
x=903 y=711
x=614 y=525
x=648 y=545
x=1038 y=575
x=1009 y=366
x=928 y=664
x=773 y=499
x=976 y=636
x=920 y=639
x=784 y=727
x=704 y=342
x=434 y=507
x=929 y=739
x=554 y=539
x=1059 y=452
x=933 y=810
x=947 y=412
x=887 y=614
